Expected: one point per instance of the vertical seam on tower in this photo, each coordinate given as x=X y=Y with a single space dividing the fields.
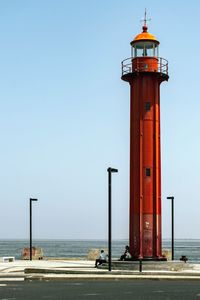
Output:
x=154 y=178
x=141 y=165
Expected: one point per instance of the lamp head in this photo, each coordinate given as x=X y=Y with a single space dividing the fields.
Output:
x=170 y=198
x=33 y=199
x=112 y=170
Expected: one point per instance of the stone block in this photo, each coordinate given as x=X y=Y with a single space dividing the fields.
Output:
x=37 y=253
x=94 y=253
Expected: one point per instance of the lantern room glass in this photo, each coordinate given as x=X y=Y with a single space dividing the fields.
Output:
x=141 y=49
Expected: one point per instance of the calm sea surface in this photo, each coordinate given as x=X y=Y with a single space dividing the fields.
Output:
x=75 y=248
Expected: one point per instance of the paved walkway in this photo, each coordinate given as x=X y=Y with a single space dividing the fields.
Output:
x=15 y=270
x=84 y=269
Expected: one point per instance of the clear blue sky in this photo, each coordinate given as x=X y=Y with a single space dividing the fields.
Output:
x=64 y=114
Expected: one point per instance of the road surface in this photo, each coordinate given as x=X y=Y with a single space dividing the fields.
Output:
x=100 y=290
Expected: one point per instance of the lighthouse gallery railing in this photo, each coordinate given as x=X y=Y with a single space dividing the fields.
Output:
x=140 y=66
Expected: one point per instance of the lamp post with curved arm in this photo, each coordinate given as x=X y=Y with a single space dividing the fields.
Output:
x=31 y=200
x=110 y=171
x=172 y=218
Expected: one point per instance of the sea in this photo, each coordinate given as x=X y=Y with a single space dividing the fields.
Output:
x=80 y=248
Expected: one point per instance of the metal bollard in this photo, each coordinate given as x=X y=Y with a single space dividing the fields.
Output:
x=140 y=265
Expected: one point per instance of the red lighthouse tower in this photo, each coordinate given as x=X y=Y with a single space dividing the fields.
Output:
x=145 y=71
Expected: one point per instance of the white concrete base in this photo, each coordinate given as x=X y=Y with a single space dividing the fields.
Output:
x=8 y=259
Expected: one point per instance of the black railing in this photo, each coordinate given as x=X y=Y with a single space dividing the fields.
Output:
x=139 y=65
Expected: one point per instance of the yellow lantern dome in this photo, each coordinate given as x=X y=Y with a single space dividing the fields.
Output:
x=145 y=36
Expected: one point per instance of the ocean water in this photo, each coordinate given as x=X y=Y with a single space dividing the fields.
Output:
x=80 y=248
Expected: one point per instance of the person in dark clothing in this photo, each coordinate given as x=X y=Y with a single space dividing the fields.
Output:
x=126 y=255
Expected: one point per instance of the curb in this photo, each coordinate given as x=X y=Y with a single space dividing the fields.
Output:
x=30 y=271
x=67 y=274
x=93 y=277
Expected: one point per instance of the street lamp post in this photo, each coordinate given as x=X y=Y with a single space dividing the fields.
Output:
x=172 y=217
x=110 y=171
x=31 y=199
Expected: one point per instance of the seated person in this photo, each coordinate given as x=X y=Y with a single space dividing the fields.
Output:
x=101 y=259
x=184 y=258
x=126 y=255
